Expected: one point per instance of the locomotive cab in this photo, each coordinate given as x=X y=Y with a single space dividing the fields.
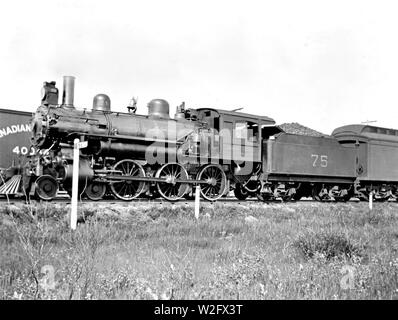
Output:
x=239 y=134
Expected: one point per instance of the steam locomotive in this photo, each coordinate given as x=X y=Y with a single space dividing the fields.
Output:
x=128 y=155
x=135 y=155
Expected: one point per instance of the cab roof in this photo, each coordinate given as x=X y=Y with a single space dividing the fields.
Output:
x=235 y=114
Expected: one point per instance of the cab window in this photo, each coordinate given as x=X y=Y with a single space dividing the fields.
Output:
x=246 y=130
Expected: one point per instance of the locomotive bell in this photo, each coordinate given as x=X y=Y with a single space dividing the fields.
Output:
x=158 y=108
x=101 y=102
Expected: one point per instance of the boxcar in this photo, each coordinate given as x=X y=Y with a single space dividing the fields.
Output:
x=15 y=134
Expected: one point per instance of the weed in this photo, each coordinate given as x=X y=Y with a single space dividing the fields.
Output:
x=328 y=244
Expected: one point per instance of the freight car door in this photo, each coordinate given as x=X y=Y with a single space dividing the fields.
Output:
x=362 y=160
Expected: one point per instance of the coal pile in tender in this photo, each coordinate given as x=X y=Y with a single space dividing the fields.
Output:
x=297 y=128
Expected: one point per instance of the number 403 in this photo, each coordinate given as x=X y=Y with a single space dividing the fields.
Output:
x=24 y=150
x=319 y=160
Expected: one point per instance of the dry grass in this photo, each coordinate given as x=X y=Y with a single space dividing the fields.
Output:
x=294 y=251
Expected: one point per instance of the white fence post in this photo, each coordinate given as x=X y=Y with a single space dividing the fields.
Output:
x=77 y=145
x=370 y=200
x=197 y=201
x=75 y=184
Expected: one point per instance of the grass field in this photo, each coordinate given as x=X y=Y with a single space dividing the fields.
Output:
x=253 y=251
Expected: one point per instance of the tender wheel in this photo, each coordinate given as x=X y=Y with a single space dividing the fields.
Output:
x=319 y=193
x=125 y=189
x=344 y=196
x=46 y=187
x=382 y=195
x=215 y=182
x=171 y=189
x=95 y=190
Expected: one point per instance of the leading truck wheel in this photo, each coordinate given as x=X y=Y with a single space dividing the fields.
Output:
x=46 y=187
x=127 y=189
x=214 y=182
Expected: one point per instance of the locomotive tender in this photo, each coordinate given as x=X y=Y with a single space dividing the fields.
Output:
x=130 y=155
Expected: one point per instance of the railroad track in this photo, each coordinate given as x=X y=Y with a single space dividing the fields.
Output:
x=132 y=202
x=179 y=202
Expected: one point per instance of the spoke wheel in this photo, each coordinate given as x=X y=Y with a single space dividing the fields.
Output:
x=125 y=189
x=171 y=189
x=215 y=182
x=95 y=190
x=46 y=187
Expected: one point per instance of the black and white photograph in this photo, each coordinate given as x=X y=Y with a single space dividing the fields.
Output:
x=216 y=152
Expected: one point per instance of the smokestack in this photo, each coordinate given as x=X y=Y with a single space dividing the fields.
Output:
x=68 y=93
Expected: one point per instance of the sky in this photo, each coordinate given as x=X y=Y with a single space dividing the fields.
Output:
x=323 y=64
